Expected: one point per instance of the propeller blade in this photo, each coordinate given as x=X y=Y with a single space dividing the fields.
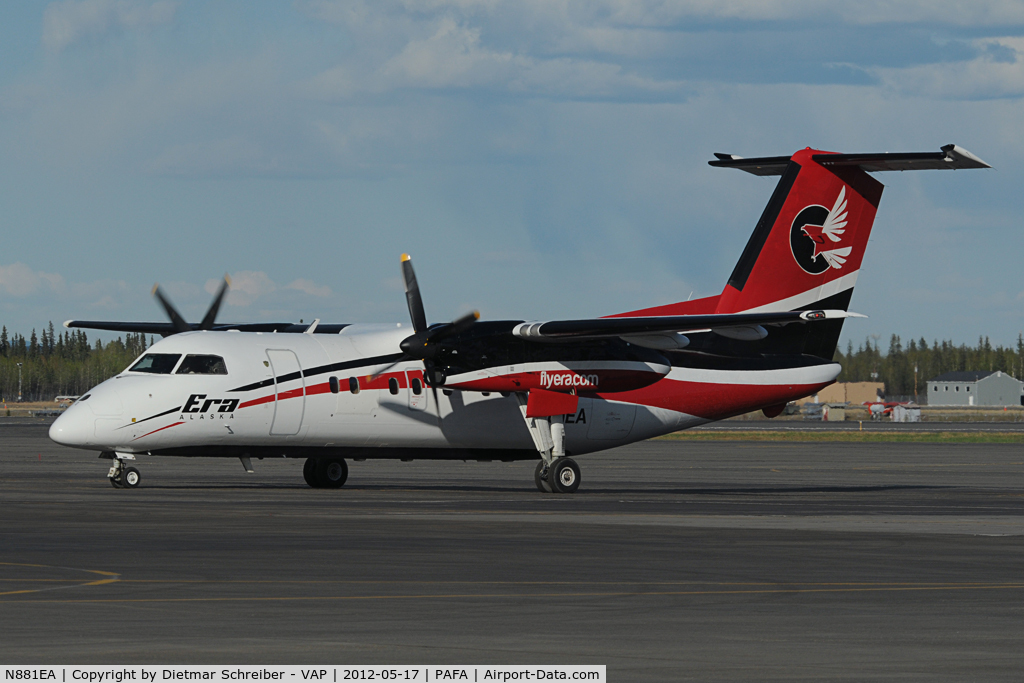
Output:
x=465 y=322
x=412 y=296
x=377 y=374
x=179 y=323
x=211 y=313
x=455 y=327
x=429 y=367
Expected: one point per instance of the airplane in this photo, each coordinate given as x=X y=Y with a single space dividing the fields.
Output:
x=506 y=390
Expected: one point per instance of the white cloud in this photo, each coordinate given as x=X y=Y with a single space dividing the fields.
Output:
x=18 y=280
x=246 y=287
x=559 y=13
x=309 y=287
x=997 y=72
x=452 y=57
x=68 y=21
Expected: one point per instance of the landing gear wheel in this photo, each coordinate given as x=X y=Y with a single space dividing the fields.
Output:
x=130 y=478
x=116 y=482
x=309 y=472
x=564 y=476
x=540 y=478
x=331 y=473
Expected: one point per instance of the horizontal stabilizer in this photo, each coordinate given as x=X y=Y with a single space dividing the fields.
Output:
x=950 y=157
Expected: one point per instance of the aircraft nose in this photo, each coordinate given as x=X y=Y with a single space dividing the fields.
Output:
x=75 y=428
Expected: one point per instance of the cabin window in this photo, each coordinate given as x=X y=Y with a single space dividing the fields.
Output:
x=333 y=383
x=417 y=386
x=353 y=385
x=393 y=385
x=968 y=388
x=156 y=363
x=195 y=364
x=956 y=388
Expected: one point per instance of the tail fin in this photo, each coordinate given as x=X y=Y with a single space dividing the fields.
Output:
x=807 y=248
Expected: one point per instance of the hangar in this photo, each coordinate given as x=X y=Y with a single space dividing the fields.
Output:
x=975 y=388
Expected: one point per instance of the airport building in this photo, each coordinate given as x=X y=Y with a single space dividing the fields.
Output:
x=857 y=393
x=975 y=388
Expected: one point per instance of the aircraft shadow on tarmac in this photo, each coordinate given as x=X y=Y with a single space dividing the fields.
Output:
x=516 y=487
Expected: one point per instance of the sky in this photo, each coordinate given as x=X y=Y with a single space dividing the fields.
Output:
x=539 y=159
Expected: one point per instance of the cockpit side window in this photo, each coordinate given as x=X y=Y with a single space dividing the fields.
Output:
x=156 y=363
x=195 y=364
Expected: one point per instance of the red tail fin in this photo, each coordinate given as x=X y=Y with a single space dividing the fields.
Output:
x=807 y=248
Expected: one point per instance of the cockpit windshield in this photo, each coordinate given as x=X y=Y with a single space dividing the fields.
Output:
x=156 y=363
x=202 y=365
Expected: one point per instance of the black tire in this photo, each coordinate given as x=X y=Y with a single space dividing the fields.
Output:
x=309 y=473
x=564 y=476
x=131 y=478
x=539 y=478
x=116 y=481
x=331 y=473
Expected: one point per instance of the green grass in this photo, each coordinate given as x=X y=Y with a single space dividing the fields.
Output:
x=845 y=436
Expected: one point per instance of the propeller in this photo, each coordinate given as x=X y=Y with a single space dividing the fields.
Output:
x=182 y=325
x=424 y=343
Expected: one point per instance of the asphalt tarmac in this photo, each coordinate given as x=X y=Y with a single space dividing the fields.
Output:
x=675 y=561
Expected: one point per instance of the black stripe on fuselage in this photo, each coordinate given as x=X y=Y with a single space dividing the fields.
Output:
x=311 y=372
x=152 y=417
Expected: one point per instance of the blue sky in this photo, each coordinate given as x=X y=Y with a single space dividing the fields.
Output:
x=539 y=159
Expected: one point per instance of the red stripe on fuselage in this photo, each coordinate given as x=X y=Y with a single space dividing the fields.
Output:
x=158 y=430
x=378 y=383
x=257 y=401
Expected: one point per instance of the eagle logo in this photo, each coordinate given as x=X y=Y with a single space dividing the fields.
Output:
x=815 y=233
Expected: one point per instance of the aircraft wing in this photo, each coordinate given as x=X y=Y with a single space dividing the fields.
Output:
x=167 y=329
x=564 y=330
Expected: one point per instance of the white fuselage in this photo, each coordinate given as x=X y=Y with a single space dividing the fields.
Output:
x=285 y=392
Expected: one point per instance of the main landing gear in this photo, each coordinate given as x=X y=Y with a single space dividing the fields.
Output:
x=120 y=475
x=555 y=473
x=325 y=473
x=561 y=476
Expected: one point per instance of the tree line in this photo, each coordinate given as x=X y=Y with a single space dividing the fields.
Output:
x=61 y=364
x=896 y=366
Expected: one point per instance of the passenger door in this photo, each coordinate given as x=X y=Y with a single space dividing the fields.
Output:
x=289 y=392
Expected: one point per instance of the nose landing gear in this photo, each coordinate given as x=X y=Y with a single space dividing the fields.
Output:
x=120 y=476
